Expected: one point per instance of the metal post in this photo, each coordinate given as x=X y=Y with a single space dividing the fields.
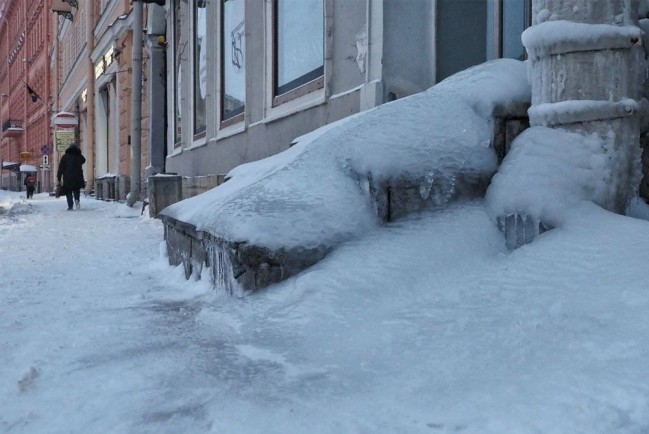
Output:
x=90 y=101
x=136 y=106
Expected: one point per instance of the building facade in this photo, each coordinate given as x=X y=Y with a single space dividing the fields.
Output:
x=246 y=77
x=93 y=60
x=232 y=81
x=25 y=141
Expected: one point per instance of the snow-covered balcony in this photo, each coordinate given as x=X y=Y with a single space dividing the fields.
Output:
x=275 y=217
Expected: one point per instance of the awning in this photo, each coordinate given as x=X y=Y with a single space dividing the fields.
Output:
x=9 y=165
x=28 y=168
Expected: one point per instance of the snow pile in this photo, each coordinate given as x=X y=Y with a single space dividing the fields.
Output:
x=549 y=171
x=8 y=200
x=318 y=192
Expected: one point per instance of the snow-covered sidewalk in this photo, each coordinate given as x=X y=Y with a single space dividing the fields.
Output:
x=427 y=325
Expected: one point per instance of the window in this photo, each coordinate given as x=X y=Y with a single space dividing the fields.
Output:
x=233 y=67
x=179 y=55
x=516 y=18
x=298 y=48
x=496 y=27
x=199 y=62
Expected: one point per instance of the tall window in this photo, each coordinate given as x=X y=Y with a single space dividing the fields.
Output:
x=516 y=18
x=233 y=67
x=179 y=55
x=299 y=48
x=200 y=67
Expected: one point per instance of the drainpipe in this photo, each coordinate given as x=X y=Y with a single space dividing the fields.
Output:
x=90 y=96
x=608 y=71
x=136 y=106
x=604 y=73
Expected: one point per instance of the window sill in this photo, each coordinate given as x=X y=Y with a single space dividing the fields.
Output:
x=297 y=105
x=199 y=140
x=230 y=130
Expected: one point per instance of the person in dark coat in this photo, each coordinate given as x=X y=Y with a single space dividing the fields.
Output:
x=70 y=175
x=30 y=185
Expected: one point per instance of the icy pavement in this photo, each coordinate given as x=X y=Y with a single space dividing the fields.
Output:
x=424 y=326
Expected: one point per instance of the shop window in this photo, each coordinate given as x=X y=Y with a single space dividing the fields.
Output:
x=298 y=48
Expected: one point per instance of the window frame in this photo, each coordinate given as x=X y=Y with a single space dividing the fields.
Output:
x=238 y=117
x=306 y=85
x=176 y=86
x=198 y=135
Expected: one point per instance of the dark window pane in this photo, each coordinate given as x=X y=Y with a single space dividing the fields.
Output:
x=514 y=18
x=461 y=35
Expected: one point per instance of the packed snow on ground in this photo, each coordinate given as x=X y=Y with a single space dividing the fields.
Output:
x=317 y=192
x=425 y=325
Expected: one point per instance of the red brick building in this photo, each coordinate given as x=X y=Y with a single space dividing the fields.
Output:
x=26 y=140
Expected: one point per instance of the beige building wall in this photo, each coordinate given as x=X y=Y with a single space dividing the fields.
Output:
x=112 y=59
x=69 y=76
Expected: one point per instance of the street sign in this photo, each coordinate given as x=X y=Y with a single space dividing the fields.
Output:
x=63 y=140
x=65 y=120
x=45 y=149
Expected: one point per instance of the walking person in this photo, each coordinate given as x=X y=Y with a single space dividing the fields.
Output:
x=70 y=175
x=30 y=185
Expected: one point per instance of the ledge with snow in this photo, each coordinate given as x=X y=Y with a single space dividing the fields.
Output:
x=275 y=217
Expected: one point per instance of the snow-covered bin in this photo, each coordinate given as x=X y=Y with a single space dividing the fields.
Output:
x=279 y=215
x=164 y=190
x=112 y=187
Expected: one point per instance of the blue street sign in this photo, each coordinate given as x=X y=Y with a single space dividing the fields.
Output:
x=45 y=150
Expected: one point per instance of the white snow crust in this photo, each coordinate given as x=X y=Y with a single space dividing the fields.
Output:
x=560 y=36
x=425 y=325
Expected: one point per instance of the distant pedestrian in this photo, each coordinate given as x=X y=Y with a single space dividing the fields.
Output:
x=30 y=185
x=70 y=175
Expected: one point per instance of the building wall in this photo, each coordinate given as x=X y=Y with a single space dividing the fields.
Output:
x=268 y=130
x=25 y=37
x=70 y=78
x=113 y=83
x=374 y=51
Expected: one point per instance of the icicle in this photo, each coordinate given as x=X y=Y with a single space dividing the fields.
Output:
x=520 y=229
x=220 y=259
x=426 y=185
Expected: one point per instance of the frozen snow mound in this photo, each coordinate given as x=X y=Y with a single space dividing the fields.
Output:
x=546 y=173
x=343 y=179
x=318 y=192
x=11 y=201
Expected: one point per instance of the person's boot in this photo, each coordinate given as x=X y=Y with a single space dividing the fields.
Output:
x=77 y=204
